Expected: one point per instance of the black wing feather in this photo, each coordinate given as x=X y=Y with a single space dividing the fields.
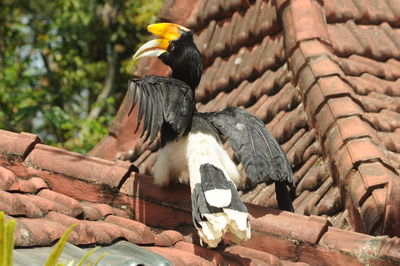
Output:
x=161 y=99
x=254 y=146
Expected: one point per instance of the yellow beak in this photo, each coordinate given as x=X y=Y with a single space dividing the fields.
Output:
x=167 y=32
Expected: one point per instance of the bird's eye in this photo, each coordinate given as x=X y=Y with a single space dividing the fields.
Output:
x=171 y=47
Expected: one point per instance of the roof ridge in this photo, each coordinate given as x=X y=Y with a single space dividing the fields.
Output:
x=336 y=115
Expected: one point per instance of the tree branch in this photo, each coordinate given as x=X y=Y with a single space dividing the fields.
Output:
x=107 y=88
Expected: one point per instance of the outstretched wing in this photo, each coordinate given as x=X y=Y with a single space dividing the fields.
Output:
x=254 y=146
x=161 y=100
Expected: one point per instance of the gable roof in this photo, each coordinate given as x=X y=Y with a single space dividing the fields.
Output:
x=327 y=90
x=47 y=189
x=323 y=76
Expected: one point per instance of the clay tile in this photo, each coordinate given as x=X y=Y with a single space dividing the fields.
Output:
x=17 y=143
x=311 y=180
x=295 y=155
x=46 y=205
x=371 y=214
x=356 y=189
x=280 y=4
x=374 y=174
x=105 y=233
x=299 y=174
x=259 y=256
x=234 y=22
x=179 y=12
x=168 y=238
x=179 y=257
x=80 y=166
x=391 y=223
x=96 y=211
x=363 y=150
x=121 y=212
x=8 y=180
x=40 y=232
x=289 y=225
x=312 y=48
x=281 y=247
x=205 y=48
x=241 y=33
x=212 y=10
x=84 y=233
x=205 y=253
x=353 y=127
x=343 y=106
x=297 y=61
x=330 y=204
x=11 y=204
x=143 y=234
x=310 y=207
x=345 y=241
x=306 y=13
x=324 y=66
x=268 y=19
x=216 y=42
x=143 y=187
x=69 y=202
x=305 y=79
x=32 y=185
x=389 y=248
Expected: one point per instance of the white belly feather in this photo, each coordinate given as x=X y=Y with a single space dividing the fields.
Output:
x=182 y=158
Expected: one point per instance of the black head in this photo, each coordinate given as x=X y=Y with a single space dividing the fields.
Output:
x=184 y=59
x=176 y=49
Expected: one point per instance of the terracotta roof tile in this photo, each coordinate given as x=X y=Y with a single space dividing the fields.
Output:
x=63 y=200
x=379 y=42
x=11 y=204
x=168 y=238
x=325 y=85
x=363 y=12
x=39 y=232
x=143 y=233
x=46 y=205
x=259 y=257
x=330 y=204
x=205 y=253
x=20 y=144
x=105 y=233
x=297 y=18
x=84 y=167
x=179 y=257
x=84 y=233
x=356 y=65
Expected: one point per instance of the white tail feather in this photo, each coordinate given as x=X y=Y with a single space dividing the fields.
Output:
x=212 y=231
x=218 y=197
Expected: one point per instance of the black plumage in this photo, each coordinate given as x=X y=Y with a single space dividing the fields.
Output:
x=162 y=100
x=191 y=140
x=256 y=149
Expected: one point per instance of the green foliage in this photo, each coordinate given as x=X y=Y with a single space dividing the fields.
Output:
x=6 y=240
x=56 y=252
x=62 y=65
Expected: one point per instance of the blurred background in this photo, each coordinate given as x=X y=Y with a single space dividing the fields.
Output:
x=63 y=65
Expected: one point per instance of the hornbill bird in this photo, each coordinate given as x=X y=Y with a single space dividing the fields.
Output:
x=191 y=147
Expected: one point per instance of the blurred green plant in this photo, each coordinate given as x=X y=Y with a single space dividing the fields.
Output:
x=6 y=240
x=62 y=65
x=7 y=246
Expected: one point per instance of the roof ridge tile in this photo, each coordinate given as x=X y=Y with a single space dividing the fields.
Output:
x=88 y=168
x=20 y=144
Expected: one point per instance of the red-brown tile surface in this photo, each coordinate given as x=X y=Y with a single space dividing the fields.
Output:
x=323 y=76
x=20 y=144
